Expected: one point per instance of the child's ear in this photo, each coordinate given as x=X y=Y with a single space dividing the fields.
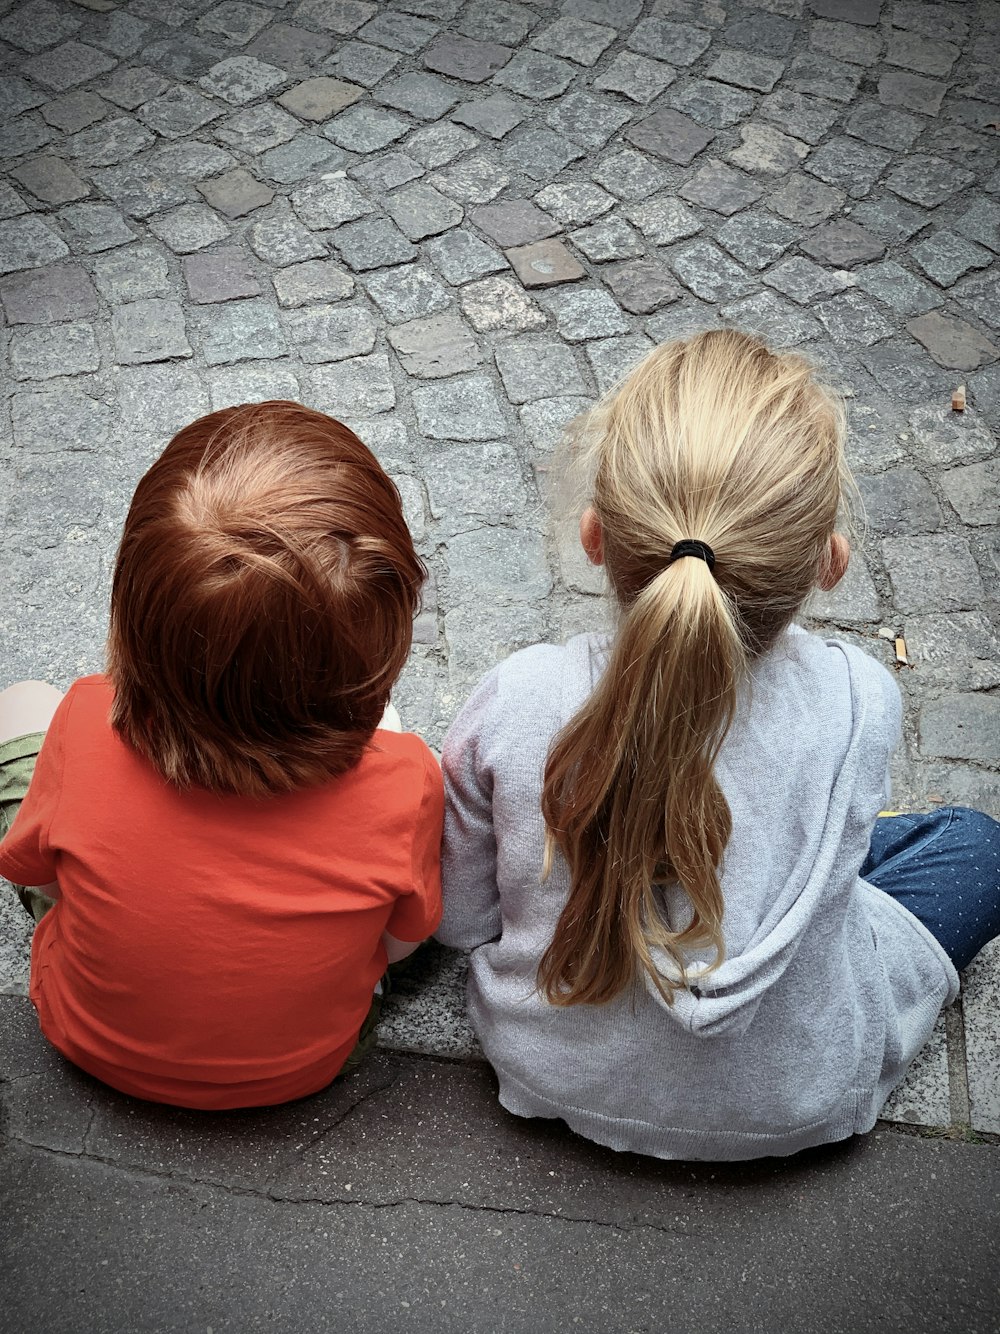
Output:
x=592 y=536
x=833 y=566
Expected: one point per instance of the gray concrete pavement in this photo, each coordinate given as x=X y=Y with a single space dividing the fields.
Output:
x=453 y=223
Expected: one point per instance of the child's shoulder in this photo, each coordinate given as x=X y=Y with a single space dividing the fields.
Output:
x=825 y=664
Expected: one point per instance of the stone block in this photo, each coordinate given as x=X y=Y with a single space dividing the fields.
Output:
x=256 y=129
x=889 y=218
x=499 y=304
x=925 y=56
x=312 y=281
x=574 y=202
x=932 y=573
x=50 y=180
x=188 y=228
x=421 y=95
x=853 y=601
x=721 y=189
x=805 y=200
x=575 y=39
x=545 y=421
x=755 y=239
x=610 y=238
x=474 y=180
x=420 y=211
x=480 y=481
x=842 y=244
x=292 y=48
x=280 y=239
x=811 y=72
x=980 y=1006
x=544 y=264
x=912 y=92
x=848 y=163
x=765 y=148
x=533 y=368
x=897 y=289
x=460 y=257
x=953 y=342
x=92 y=228
x=928 y=181
x=339 y=16
x=945 y=256
x=611 y=359
x=399 y=32
x=852 y=320
x=777 y=321
x=536 y=76
x=179 y=112
x=235 y=22
x=495 y=116
x=961 y=727
x=670 y=135
x=436 y=347
x=407 y=293
x=149 y=330
x=662 y=39
x=130 y=88
x=236 y=193
x=360 y=63
x=60 y=421
x=487 y=21
x=495 y=564
x=640 y=79
x=372 y=245
x=806 y=118
x=759 y=73
x=923 y=1098
x=900 y=501
x=111 y=141
x=710 y=273
x=291 y=162
x=42 y=353
x=47 y=295
x=329 y=333
x=665 y=220
x=321 y=97
x=220 y=275
x=513 y=222
x=465 y=409
x=587 y=120
x=905 y=371
x=941 y=436
x=879 y=125
x=630 y=175
x=386 y=171
x=582 y=314
x=981 y=222
x=239 y=331
x=241 y=79
x=34 y=26
x=466 y=59
x=974 y=491
x=642 y=285
x=845 y=41
x=365 y=129
x=67 y=66
x=329 y=202
x=437 y=145
x=353 y=389
x=804 y=281
x=960 y=650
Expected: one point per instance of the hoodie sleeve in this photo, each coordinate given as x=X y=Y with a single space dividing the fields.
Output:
x=469 y=852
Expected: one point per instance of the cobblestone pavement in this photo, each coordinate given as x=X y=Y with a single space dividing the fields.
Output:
x=453 y=222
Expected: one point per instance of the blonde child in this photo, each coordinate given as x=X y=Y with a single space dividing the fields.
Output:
x=691 y=934
x=234 y=845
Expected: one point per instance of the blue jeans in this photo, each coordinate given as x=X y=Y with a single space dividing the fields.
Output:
x=945 y=868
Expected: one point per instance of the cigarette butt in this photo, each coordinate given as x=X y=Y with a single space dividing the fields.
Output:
x=901 y=658
x=958 y=399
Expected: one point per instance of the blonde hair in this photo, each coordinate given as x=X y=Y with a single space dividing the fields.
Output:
x=718 y=439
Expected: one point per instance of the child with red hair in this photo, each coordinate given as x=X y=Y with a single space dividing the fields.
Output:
x=226 y=842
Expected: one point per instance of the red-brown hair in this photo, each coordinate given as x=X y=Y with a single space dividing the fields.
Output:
x=262 y=603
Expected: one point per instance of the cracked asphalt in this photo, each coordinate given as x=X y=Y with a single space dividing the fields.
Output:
x=453 y=223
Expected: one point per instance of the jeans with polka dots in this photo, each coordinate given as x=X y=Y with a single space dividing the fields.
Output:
x=945 y=868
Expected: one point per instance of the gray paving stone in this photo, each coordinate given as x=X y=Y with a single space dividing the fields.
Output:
x=179 y=112
x=941 y=436
x=386 y=171
x=945 y=139
x=843 y=244
x=759 y=73
x=67 y=65
x=421 y=95
x=778 y=321
x=536 y=368
x=420 y=211
x=476 y=179
x=575 y=38
x=585 y=313
x=320 y=97
x=36 y=25
x=811 y=72
x=134 y=272
x=365 y=129
x=900 y=501
x=678 y=43
x=933 y=20
x=280 y=239
x=851 y=11
x=220 y=275
x=905 y=370
x=256 y=129
x=928 y=181
x=805 y=200
x=767 y=149
x=329 y=202
x=587 y=120
x=980 y=1006
x=74 y=111
x=854 y=320
x=513 y=222
x=238 y=331
x=360 y=63
x=538 y=153
x=611 y=359
x=48 y=295
x=889 y=218
x=407 y=293
x=496 y=115
x=23 y=135
x=130 y=88
x=329 y=333
x=27 y=243
x=609 y=238
x=961 y=727
x=11 y=203
x=629 y=175
x=292 y=48
x=897 y=288
x=575 y=202
x=848 y=163
x=642 y=286
x=806 y=118
x=854 y=600
x=933 y=573
x=191 y=158
x=151 y=329
x=845 y=41
x=545 y=420
x=59 y=420
x=292 y=162
x=235 y=22
x=977 y=293
x=709 y=272
x=189 y=227
x=436 y=145
x=721 y=189
x=482 y=480
x=664 y=220
x=755 y=239
x=436 y=347
x=953 y=342
x=65 y=349
x=670 y=135
x=157 y=401
x=960 y=649
x=111 y=141
x=877 y=124
x=639 y=78
x=91 y=228
x=372 y=245
x=714 y=104
x=974 y=492
x=241 y=79
x=314 y=280
x=945 y=256
x=398 y=32
x=354 y=388
x=465 y=409
x=912 y=92
x=49 y=179
x=466 y=59
x=544 y=264
x=925 y=56
x=981 y=222
x=17 y=95
x=498 y=21
x=339 y=16
x=501 y=564
x=535 y=75
x=236 y=193
x=499 y=304
x=460 y=257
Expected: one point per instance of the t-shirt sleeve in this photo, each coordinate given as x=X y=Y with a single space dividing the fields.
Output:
x=26 y=854
x=469 y=856
x=417 y=912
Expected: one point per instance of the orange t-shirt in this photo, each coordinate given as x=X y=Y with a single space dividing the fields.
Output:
x=217 y=951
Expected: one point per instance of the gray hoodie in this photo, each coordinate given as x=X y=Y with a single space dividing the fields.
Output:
x=829 y=987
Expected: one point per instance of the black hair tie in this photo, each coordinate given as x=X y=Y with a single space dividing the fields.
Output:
x=692 y=547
